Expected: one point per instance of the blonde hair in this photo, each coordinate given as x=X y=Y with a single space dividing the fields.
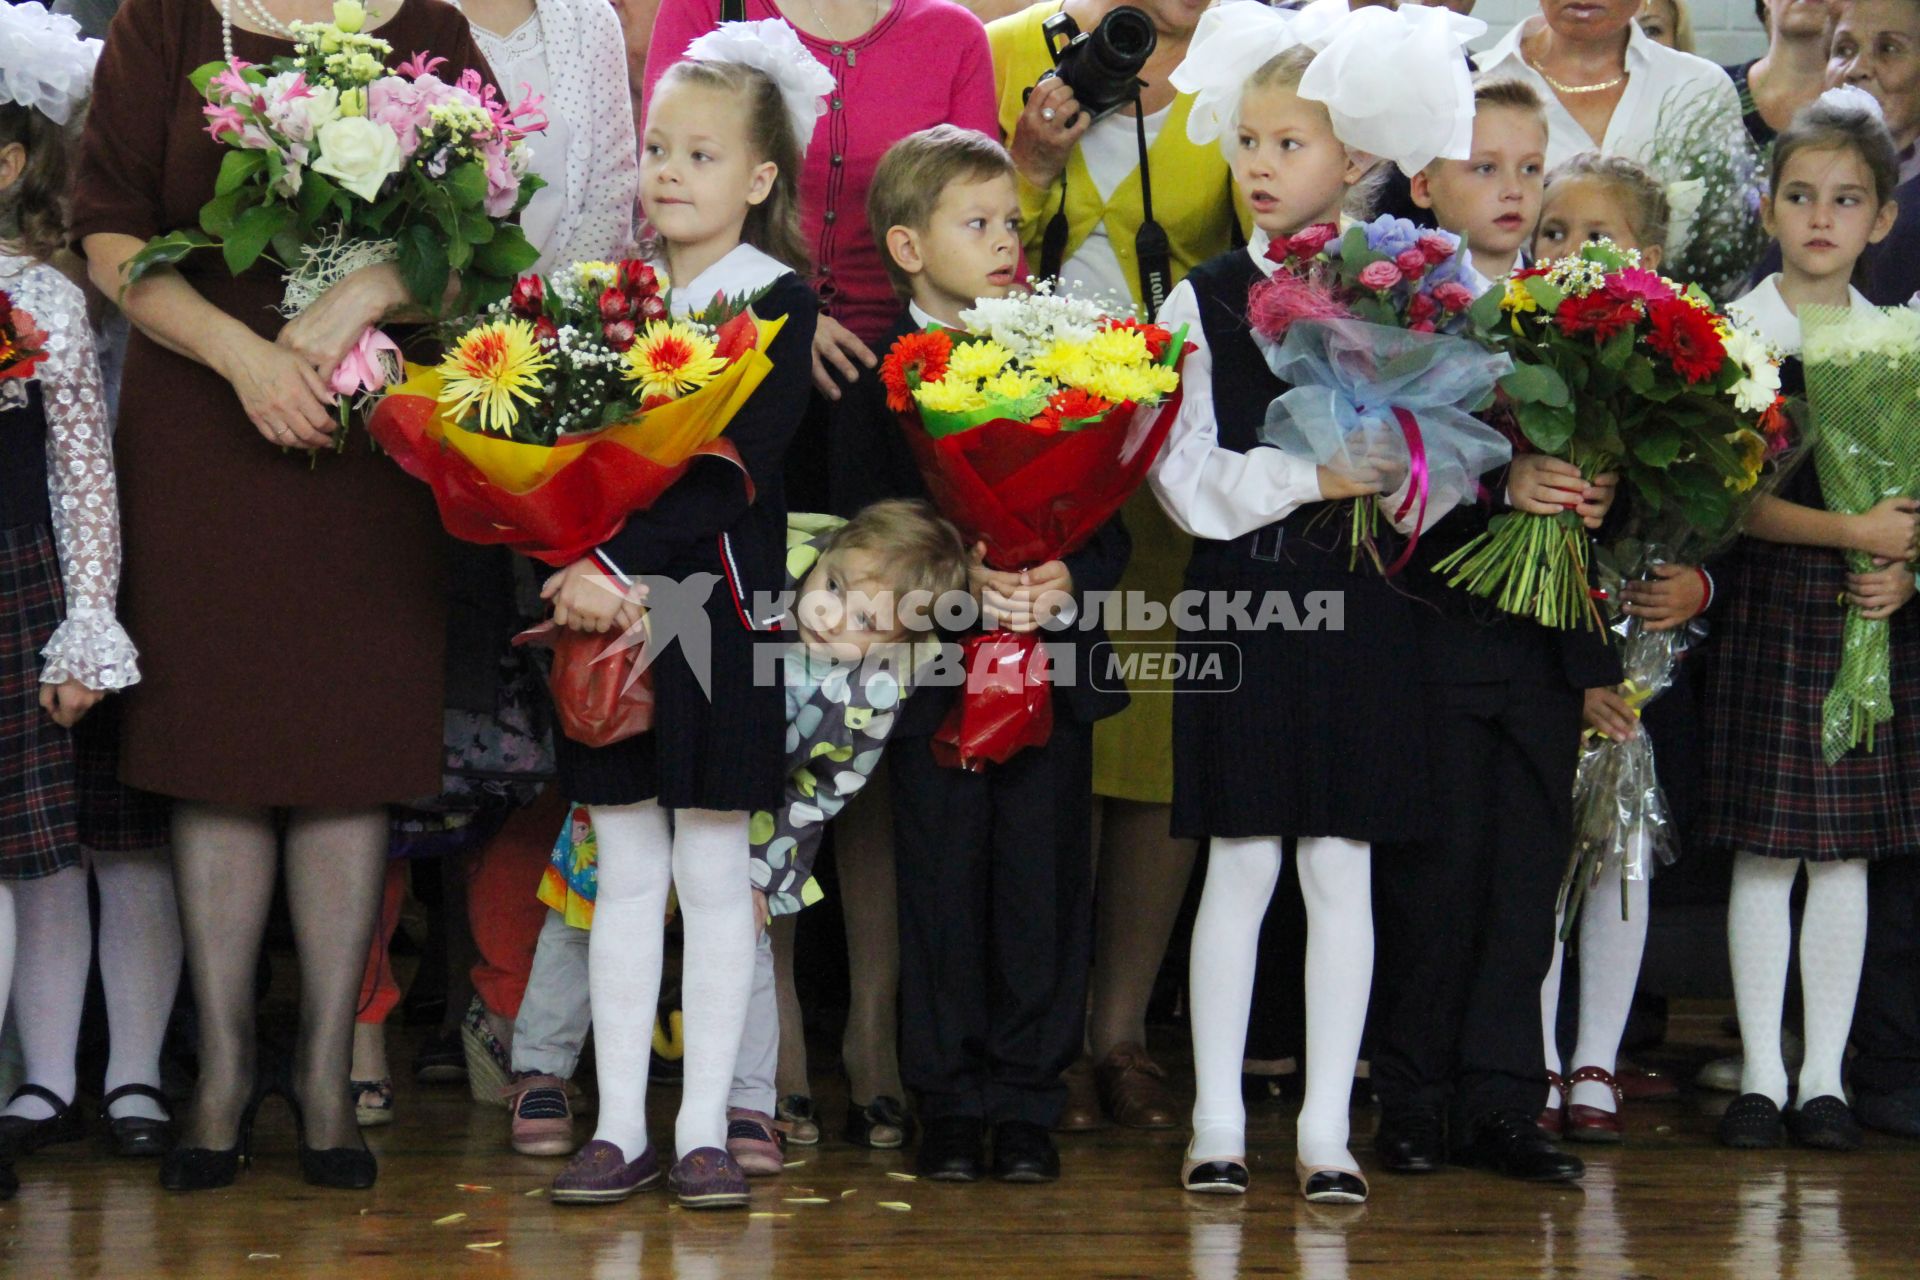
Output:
x=1285 y=71
x=916 y=171
x=1640 y=193
x=914 y=547
x=1505 y=91
x=773 y=225
x=1682 y=23
x=33 y=211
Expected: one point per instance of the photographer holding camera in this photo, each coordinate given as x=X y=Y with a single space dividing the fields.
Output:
x=1116 y=201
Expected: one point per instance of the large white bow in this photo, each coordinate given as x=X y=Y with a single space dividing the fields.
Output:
x=771 y=47
x=44 y=62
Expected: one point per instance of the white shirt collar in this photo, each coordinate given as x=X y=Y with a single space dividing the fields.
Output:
x=744 y=270
x=1257 y=249
x=922 y=319
x=1509 y=47
x=1765 y=312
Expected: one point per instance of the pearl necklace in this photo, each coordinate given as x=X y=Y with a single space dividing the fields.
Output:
x=257 y=10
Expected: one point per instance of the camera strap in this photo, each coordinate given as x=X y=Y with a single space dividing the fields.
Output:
x=733 y=10
x=1151 y=250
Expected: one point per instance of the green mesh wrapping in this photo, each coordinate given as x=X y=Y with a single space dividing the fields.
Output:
x=1863 y=387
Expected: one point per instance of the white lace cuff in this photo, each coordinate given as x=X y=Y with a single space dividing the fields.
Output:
x=92 y=647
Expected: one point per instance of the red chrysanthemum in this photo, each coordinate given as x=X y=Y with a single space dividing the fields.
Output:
x=915 y=358
x=1686 y=335
x=1595 y=314
x=1156 y=338
x=1071 y=405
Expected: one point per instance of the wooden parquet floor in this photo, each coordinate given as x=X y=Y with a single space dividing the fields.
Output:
x=1668 y=1204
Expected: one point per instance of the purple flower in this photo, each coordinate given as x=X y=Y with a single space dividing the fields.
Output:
x=1390 y=236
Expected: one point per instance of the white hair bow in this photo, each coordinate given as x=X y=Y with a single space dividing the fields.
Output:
x=1851 y=97
x=772 y=48
x=44 y=62
x=1395 y=82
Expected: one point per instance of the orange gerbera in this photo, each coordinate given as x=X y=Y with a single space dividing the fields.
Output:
x=914 y=359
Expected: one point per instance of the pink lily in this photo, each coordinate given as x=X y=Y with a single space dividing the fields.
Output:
x=420 y=65
x=223 y=121
x=230 y=82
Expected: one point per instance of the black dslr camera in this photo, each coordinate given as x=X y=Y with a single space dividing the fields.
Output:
x=1101 y=66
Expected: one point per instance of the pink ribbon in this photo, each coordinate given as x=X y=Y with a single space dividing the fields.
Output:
x=371 y=365
x=1417 y=483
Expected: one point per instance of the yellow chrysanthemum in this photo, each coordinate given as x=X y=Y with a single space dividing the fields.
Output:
x=1012 y=385
x=671 y=359
x=489 y=368
x=1118 y=347
x=1519 y=297
x=1120 y=383
x=1061 y=356
x=595 y=275
x=1752 y=448
x=977 y=361
x=950 y=395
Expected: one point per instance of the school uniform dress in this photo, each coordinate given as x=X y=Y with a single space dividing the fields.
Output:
x=59 y=569
x=1321 y=734
x=715 y=748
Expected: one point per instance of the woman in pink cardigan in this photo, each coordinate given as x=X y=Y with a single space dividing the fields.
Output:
x=899 y=66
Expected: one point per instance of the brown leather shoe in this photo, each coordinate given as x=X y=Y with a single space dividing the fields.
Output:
x=1133 y=1089
x=1082 y=1111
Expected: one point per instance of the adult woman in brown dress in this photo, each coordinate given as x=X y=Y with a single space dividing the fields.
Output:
x=290 y=607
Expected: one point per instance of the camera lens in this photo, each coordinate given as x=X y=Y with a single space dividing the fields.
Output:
x=1123 y=41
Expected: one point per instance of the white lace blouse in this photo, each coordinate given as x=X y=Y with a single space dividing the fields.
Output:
x=572 y=53
x=90 y=645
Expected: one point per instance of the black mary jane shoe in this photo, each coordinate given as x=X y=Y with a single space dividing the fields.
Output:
x=950 y=1149
x=208 y=1168
x=138 y=1137
x=882 y=1113
x=20 y=1136
x=1214 y=1177
x=1510 y=1144
x=1825 y=1123
x=1412 y=1141
x=1751 y=1122
x=1321 y=1184
x=339 y=1168
x=1024 y=1152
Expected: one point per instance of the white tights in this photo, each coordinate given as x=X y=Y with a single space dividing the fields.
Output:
x=1833 y=941
x=1610 y=951
x=702 y=854
x=1335 y=879
x=139 y=968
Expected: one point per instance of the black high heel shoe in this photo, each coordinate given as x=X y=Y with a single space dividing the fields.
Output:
x=343 y=1168
x=204 y=1168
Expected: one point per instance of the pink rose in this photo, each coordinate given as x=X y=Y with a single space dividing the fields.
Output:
x=1381 y=276
x=1425 y=326
x=1412 y=263
x=1453 y=296
x=1421 y=308
x=1436 y=248
x=1311 y=241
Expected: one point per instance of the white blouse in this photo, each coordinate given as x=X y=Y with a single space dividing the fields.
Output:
x=89 y=645
x=1210 y=491
x=1112 y=152
x=1767 y=314
x=1658 y=79
x=572 y=53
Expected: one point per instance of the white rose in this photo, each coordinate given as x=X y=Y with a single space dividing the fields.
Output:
x=359 y=154
x=298 y=119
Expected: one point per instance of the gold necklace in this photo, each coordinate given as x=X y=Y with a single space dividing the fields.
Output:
x=1575 y=89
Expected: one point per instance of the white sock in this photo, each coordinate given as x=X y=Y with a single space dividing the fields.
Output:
x=7 y=946
x=139 y=968
x=1759 y=935
x=1550 y=1013
x=53 y=952
x=716 y=913
x=1336 y=880
x=623 y=962
x=1833 y=941
x=1241 y=874
x=1610 y=951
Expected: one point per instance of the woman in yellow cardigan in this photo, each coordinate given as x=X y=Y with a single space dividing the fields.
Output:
x=1094 y=177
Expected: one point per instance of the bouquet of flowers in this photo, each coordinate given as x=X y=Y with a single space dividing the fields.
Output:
x=1031 y=428
x=1863 y=387
x=1715 y=178
x=1616 y=367
x=1354 y=323
x=334 y=163
x=571 y=403
x=22 y=347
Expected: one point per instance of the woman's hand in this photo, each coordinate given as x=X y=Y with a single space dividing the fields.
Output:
x=835 y=347
x=284 y=396
x=324 y=333
x=1046 y=132
x=67 y=701
x=1020 y=601
x=1675 y=596
x=586 y=599
x=1887 y=529
x=1880 y=594
x=1606 y=712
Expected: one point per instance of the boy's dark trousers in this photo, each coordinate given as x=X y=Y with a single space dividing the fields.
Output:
x=996 y=924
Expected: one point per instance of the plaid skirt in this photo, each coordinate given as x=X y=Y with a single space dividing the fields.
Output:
x=1776 y=651
x=38 y=826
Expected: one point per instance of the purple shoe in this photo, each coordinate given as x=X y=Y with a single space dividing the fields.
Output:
x=600 y=1174
x=708 y=1178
